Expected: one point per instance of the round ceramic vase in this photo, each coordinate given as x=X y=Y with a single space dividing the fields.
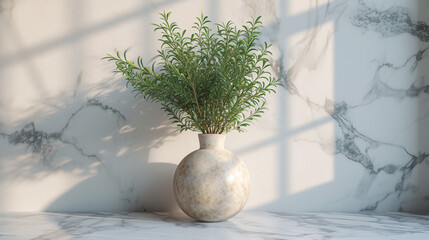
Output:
x=211 y=184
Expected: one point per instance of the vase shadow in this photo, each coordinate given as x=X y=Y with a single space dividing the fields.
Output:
x=152 y=192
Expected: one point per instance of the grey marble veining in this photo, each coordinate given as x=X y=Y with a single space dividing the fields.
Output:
x=246 y=225
x=390 y=22
x=380 y=89
x=42 y=143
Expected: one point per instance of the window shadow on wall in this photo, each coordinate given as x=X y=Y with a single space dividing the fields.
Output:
x=372 y=173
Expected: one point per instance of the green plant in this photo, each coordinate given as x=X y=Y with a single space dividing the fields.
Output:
x=212 y=81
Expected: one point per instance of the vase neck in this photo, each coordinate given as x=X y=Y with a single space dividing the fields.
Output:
x=212 y=141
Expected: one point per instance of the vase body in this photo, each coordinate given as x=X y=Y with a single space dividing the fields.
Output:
x=211 y=184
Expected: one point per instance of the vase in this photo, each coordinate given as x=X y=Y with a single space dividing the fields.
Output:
x=211 y=184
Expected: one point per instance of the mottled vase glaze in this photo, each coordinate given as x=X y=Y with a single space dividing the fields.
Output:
x=211 y=184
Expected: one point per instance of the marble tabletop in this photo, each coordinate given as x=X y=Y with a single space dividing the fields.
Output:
x=246 y=225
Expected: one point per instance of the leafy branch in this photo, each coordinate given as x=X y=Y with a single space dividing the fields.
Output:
x=214 y=80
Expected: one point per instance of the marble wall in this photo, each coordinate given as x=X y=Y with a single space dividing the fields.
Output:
x=348 y=132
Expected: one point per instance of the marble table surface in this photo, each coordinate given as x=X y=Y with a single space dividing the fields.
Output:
x=246 y=225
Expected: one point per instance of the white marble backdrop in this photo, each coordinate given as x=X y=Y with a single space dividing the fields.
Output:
x=347 y=132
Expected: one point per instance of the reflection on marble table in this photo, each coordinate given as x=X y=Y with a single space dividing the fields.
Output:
x=246 y=225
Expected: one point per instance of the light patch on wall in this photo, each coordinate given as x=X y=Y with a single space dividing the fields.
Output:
x=94 y=166
x=312 y=54
x=310 y=126
x=107 y=138
x=299 y=7
x=126 y=129
x=309 y=169
x=122 y=151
